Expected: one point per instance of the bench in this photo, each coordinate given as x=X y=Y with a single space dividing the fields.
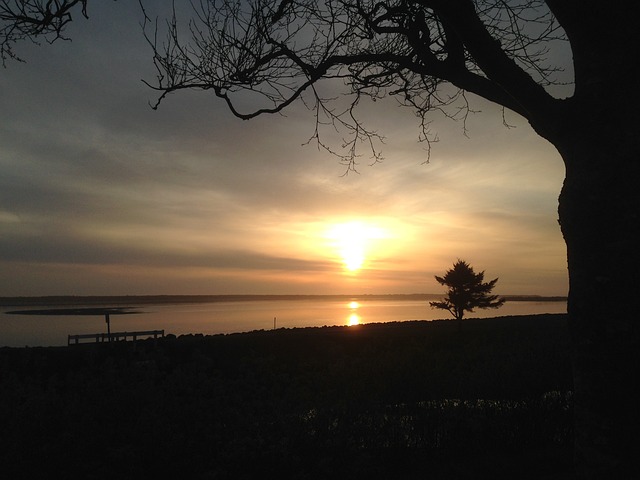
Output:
x=114 y=337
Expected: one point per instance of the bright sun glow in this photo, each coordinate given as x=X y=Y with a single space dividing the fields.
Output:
x=353 y=241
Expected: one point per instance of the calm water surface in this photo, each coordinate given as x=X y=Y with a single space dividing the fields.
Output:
x=235 y=316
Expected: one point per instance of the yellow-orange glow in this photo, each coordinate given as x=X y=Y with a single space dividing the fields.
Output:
x=354 y=319
x=353 y=305
x=353 y=241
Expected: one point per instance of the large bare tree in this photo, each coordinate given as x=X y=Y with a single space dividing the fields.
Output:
x=428 y=54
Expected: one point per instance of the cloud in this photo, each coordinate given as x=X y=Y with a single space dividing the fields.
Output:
x=101 y=194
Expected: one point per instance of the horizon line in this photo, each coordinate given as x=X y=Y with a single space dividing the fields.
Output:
x=201 y=298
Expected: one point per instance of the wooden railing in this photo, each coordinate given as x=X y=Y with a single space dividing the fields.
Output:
x=114 y=337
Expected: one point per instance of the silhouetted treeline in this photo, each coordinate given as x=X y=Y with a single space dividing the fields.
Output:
x=400 y=400
x=177 y=299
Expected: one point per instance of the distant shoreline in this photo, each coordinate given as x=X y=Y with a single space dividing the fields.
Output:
x=179 y=299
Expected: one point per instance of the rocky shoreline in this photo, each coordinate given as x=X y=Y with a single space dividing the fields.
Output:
x=409 y=399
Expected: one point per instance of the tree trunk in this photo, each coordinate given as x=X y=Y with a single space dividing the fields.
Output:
x=599 y=217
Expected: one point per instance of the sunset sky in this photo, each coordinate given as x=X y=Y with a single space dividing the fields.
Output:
x=101 y=195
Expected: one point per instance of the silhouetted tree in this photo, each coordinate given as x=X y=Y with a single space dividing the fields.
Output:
x=32 y=20
x=428 y=54
x=467 y=290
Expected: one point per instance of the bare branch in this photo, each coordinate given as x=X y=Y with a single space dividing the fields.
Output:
x=260 y=56
x=32 y=20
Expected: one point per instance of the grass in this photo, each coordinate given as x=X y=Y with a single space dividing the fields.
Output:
x=398 y=400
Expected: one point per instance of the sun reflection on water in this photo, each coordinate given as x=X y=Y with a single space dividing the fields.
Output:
x=354 y=318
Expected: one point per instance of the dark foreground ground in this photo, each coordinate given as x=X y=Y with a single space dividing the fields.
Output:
x=409 y=400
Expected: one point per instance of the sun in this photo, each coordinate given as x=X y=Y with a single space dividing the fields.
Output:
x=352 y=241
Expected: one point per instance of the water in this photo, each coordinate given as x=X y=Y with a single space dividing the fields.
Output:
x=236 y=316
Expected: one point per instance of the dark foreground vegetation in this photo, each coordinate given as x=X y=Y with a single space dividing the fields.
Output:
x=422 y=400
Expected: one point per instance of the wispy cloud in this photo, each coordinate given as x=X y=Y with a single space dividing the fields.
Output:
x=101 y=194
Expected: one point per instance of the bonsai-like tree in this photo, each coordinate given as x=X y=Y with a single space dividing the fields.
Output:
x=467 y=290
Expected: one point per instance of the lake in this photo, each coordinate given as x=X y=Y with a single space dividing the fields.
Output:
x=218 y=317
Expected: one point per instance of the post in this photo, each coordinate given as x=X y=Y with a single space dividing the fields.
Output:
x=274 y=323
x=106 y=319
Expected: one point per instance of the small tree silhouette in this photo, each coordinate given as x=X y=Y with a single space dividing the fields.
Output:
x=466 y=291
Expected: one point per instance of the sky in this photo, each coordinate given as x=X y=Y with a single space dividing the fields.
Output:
x=102 y=195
